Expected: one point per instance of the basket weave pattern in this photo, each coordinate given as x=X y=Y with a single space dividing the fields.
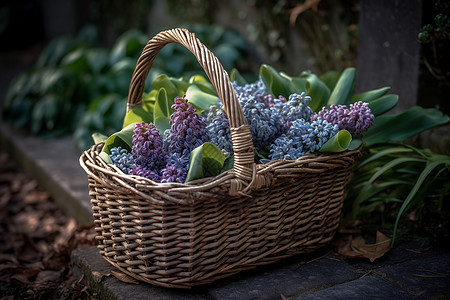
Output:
x=181 y=235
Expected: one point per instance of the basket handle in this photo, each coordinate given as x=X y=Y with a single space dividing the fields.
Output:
x=244 y=166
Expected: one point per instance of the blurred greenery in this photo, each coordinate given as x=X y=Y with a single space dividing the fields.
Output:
x=76 y=86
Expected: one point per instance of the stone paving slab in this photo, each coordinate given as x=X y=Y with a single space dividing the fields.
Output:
x=427 y=277
x=54 y=164
x=367 y=287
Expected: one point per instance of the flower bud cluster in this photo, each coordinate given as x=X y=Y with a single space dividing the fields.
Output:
x=122 y=159
x=356 y=119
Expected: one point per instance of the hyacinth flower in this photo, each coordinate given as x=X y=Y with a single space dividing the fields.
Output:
x=148 y=151
x=357 y=119
x=187 y=132
x=122 y=159
x=218 y=128
x=297 y=107
x=302 y=138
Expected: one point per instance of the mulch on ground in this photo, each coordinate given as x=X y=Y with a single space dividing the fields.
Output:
x=36 y=240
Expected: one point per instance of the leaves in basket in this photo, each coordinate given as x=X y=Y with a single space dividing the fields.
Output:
x=343 y=91
x=316 y=89
x=137 y=115
x=121 y=138
x=161 y=105
x=205 y=161
x=170 y=87
x=370 y=95
x=236 y=76
x=330 y=79
x=199 y=99
x=99 y=137
x=338 y=142
x=383 y=104
x=203 y=84
x=276 y=83
x=162 y=123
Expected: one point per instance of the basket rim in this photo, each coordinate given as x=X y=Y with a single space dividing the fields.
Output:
x=94 y=165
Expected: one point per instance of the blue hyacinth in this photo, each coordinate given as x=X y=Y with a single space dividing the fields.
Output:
x=218 y=128
x=122 y=159
x=297 y=107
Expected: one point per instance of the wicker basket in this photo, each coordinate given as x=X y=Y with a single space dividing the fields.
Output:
x=181 y=235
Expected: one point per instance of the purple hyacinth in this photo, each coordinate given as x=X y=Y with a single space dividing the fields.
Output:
x=143 y=172
x=147 y=147
x=176 y=168
x=187 y=129
x=357 y=119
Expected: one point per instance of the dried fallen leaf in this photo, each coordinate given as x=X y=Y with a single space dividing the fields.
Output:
x=358 y=247
x=124 y=277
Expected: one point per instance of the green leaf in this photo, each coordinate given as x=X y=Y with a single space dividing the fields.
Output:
x=354 y=144
x=330 y=78
x=338 y=142
x=161 y=105
x=343 y=91
x=370 y=95
x=317 y=90
x=76 y=61
x=383 y=104
x=404 y=125
x=236 y=76
x=122 y=138
x=162 y=123
x=430 y=167
x=199 y=99
x=105 y=157
x=129 y=44
x=275 y=83
x=137 y=115
x=99 y=137
x=205 y=161
x=203 y=84
x=166 y=83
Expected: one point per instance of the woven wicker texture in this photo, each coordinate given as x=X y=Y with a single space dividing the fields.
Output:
x=182 y=235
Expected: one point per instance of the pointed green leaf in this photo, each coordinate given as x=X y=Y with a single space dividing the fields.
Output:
x=276 y=83
x=383 y=104
x=343 y=91
x=99 y=137
x=236 y=76
x=404 y=125
x=138 y=115
x=199 y=99
x=205 y=161
x=161 y=105
x=338 y=143
x=330 y=79
x=166 y=83
x=203 y=84
x=317 y=90
x=162 y=123
x=105 y=157
x=121 y=138
x=370 y=95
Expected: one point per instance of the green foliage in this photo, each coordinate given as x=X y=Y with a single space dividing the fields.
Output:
x=338 y=143
x=206 y=160
x=396 y=178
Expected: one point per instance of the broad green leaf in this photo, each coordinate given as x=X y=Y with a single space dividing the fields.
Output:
x=404 y=125
x=164 y=82
x=97 y=59
x=426 y=171
x=76 y=61
x=137 y=115
x=236 y=76
x=383 y=104
x=162 y=123
x=330 y=79
x=338 y=143
x=354 y=144
x=161 y=105
x=199 y=99
x=129 y=44
x=317 y=90
x=55 y=51
x=205 y=161
x=105 y=157
x=370 y=95
x=275 y=83
x=121 y=138
x=99 y=137
x=343 y=91
x=229 y=162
